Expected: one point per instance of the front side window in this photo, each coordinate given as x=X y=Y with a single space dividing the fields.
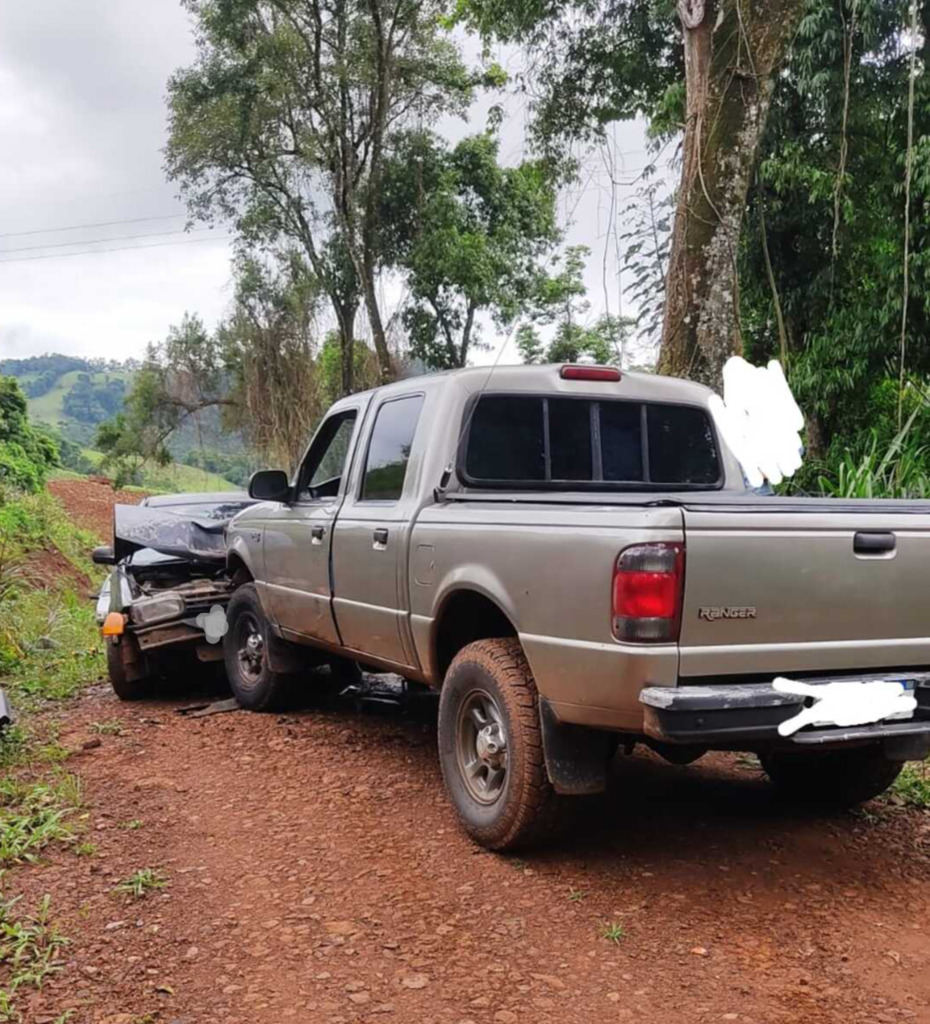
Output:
x=321 y=474
x=389 y=449
x=524 y=440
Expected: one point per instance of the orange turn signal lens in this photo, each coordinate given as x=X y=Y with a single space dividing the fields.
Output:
x=114 y=624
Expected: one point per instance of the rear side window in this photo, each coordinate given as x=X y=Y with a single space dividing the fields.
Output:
x=521 y=440
x=389 y=449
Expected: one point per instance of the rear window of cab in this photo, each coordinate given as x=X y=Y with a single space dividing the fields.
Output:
x=582 y=443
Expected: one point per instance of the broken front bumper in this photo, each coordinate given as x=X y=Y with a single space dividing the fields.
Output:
x=744 y=716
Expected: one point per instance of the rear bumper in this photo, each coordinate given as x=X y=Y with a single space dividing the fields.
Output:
x=747 y=715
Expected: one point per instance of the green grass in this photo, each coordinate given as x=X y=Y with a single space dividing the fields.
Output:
x=141 y=883
x=49 y=643
x=613 y=932
x=31 y=948
x=34 y=814
x=913 y=784
x=174 y=479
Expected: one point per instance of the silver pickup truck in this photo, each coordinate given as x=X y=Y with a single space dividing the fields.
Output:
x=570 y=556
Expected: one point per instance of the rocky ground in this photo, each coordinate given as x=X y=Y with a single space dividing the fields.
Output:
x=315 y=873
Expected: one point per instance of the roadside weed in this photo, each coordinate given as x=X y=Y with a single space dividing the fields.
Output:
x=30 y=950
x=32 y=815
x=131 y=826
x=912 y=786
x=109 y=728
x=575 y=895
x=144 y=881
x=86 y=849
x=612 y=931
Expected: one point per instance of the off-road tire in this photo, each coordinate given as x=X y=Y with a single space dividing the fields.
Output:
x=835 y=779
x=522 y=813
x=261 y=689
x=126 y=670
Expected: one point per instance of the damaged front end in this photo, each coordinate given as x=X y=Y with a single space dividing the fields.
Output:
x=168 y=577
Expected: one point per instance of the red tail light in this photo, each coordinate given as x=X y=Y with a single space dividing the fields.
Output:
x=647 y=591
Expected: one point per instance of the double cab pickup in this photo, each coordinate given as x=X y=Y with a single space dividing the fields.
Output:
x=571 y=557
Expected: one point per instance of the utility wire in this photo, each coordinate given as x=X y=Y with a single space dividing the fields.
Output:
x=118 y=248
x=97 y=224
x=95 y=241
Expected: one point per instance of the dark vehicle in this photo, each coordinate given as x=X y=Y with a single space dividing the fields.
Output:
x=169 y=572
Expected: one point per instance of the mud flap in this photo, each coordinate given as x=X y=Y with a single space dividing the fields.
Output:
x=576 y=757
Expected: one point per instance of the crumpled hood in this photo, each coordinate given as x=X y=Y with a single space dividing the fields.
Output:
x=170 y=532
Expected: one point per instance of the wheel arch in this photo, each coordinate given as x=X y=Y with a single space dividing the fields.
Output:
x=466 y=614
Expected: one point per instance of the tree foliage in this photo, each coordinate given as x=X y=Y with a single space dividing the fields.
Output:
x=286 y=120
x=26 y=454
x=470 y=236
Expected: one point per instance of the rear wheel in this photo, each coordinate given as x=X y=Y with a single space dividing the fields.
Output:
x=245 y=652
x=490 y=745
x=126 y=669
x=836 y=778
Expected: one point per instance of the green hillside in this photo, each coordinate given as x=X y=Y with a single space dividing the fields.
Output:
x=58 y=405
x=73 y=396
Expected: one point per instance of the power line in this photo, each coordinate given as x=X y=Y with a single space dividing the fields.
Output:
x=97 y=224
x=95 y=241
x=118 y=248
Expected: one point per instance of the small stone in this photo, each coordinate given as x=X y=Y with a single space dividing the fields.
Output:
x=549 y=979
x=614 y=997
x=92 y=743
x=699 y=951
x=359 y=997
x=115 y=926
x=192 y=953
x=505 y=1017
x=415 y=981
x=340 y=927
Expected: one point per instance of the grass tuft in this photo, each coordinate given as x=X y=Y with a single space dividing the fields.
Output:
x=141 y=883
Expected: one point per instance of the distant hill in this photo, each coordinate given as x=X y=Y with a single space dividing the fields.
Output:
x=74 y=396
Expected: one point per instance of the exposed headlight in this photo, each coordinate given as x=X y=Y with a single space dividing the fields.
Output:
x=148 y=611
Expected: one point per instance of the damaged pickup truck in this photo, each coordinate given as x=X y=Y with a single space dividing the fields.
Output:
x=169 y=570
x=571 y=558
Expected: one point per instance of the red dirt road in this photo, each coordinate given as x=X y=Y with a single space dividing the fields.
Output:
x=317 y=875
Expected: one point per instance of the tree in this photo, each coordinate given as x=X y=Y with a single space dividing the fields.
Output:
x=470 y=237
x=285 y=122
x=708 y=68
x=732 y=51
x=562 y=303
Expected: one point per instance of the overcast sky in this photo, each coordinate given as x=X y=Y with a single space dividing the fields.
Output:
x=82 y=125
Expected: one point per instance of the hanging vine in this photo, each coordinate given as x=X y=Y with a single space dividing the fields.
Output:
x=849 y=32
x=908 y=168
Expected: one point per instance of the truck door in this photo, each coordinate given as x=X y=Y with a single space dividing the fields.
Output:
x=298 y=534
x=370 y=538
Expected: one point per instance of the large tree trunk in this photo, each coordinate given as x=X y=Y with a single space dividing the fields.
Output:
x=732 y=50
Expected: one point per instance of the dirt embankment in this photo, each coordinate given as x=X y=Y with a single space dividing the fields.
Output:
x=90 y=503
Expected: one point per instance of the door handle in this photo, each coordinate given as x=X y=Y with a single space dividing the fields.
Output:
x=317 y=533
x=380 y=539
x=873 y=542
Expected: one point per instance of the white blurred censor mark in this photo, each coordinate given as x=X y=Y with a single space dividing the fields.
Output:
x=759 y=420
x=846 y=704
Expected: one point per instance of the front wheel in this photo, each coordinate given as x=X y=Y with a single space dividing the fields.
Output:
x=127 y=670
x=836 y=778
x=245 y=651
x=490 y=745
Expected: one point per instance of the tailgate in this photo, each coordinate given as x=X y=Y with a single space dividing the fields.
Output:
x=789 y=586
